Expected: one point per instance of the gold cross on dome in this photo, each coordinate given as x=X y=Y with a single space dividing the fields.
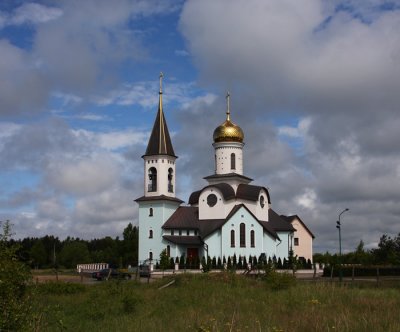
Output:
x=228 y=111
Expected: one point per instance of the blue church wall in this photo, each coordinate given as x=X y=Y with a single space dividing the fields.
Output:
x=213 y=242
x=270 y=244
x=242 y=216
x=282 y=250
x=148 y=224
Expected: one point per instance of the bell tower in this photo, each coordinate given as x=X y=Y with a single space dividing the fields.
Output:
x=159 y=200
x=159 y=159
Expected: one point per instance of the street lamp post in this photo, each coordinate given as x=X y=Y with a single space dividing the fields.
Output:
x=338 y=226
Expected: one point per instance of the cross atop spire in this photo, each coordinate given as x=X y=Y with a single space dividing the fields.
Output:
x=161 y=77
x=160 y=141
x=228 y=111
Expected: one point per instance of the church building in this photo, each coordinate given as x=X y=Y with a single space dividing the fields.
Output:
x=228 y=216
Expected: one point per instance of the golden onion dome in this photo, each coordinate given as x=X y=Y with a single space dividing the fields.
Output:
x=228 y=131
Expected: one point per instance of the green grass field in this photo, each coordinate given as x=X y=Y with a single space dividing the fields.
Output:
x=217 y=302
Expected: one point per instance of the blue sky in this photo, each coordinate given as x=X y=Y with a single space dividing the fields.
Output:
x=314 y=85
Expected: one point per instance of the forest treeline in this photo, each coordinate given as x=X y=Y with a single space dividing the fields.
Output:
x=387 y=253
x=49 y=251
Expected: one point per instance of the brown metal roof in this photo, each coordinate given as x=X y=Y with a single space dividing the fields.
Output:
x=160 y=141
x=225 y=189
x=185 y=217
x=250 y=192
x=278 y=223
x=229 y=175
x=158 y=198
x=290 y=219
x=194 y=197
x=186 y=240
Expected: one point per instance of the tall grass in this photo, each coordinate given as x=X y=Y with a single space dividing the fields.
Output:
x=220 y=302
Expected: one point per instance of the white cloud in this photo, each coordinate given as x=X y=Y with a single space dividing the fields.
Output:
x=83 y=177
x=296 y=132
x=34 y=13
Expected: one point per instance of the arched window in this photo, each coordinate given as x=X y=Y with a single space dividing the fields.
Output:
x=232 y=238
x=150 y=234
x=151 y=212
x=242 y=235
x=152 y=179
x=262 y=201
x=252 y=239
x=170 y=176
x=150 y=255
x=168 y=250
x=233 y=161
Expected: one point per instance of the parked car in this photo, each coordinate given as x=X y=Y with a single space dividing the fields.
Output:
x=144 y=270
x=111 y=274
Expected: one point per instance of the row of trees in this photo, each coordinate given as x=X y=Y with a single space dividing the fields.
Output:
x=387 y=253
x=234 y=262
x=50 y=251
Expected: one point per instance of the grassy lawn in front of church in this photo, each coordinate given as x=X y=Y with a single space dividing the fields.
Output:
x=217 y=302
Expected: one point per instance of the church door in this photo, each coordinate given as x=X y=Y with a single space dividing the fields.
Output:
x=192 y=253
x=192 y=257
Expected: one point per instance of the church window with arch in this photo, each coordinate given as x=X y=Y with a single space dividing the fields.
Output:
x=242 y=235
x=233 y=161
x=232 y=238
x=170 y=183
x=262 y=201
x=150 y=212
x=152 y=180
x=150 y=234
x=150 y=255
x=252 y=239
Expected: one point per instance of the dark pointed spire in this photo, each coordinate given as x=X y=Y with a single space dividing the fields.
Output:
x=160 y=141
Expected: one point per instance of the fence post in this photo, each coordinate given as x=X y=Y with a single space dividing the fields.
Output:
x=352 y=274
x=377 y=276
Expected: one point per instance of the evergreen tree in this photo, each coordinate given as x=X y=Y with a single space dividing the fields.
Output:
x=219 y=263
x=164 y=260
x=182 y=262
x=38 y=254
x=244 y=262
x=240 y=263
x=229 y=264
x=214 y=263
x=234 y=261
x=279 y=263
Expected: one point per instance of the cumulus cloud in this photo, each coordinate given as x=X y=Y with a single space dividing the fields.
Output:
x=334 y=67
x=70 y=54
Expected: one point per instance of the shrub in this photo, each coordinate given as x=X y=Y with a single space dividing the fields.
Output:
x=280 y=281
x=15 y=309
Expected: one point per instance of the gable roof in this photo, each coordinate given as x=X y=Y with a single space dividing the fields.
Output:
x=278 y=223
x=187 y=217
x=160 y=141
x=290 y=219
